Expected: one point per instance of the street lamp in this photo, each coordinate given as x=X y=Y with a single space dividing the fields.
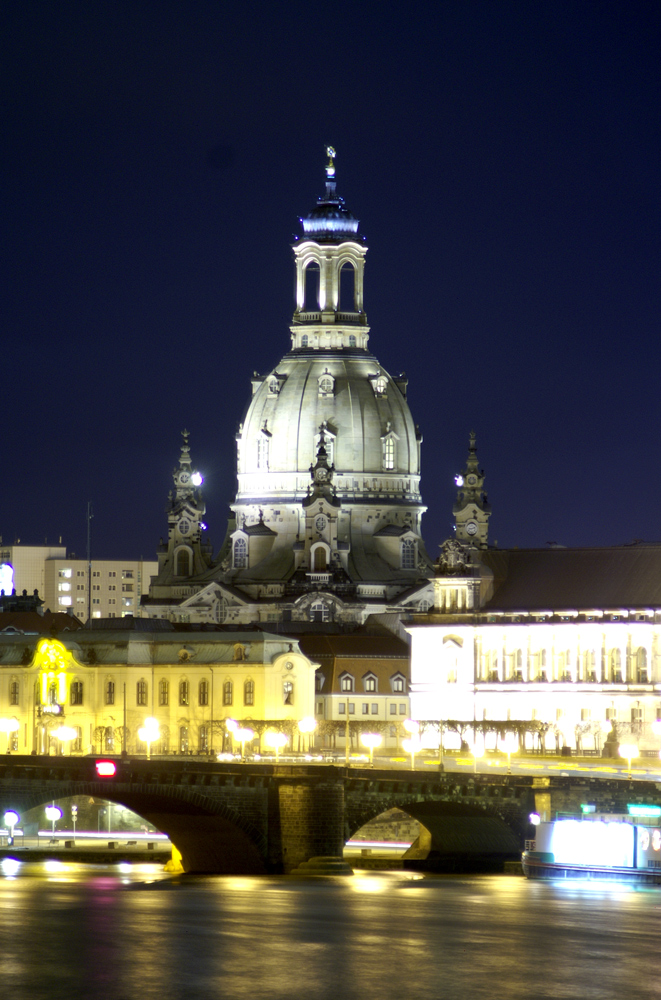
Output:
x=149 y=733
x=629 y=751
x=65 y=734
x=412 y=746
x=243 y=736
x=277 y=741
x=9 y=726
x=510 y=746
x=11 y=819
x=372 y=741
x=307 y=725
x=53 y=813
x=74 y=817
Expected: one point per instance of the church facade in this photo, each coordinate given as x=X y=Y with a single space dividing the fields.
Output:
x=326 y=522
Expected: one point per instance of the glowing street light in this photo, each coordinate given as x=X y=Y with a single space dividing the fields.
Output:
x=11 y=819
x=307 y=725
x=412 y=746
x=243 y=736
x=372 y=741
x=510 y=746
x=53 y=813
x=477 y=752
x=65 y=734
x=9 y=726
x=149 y=733
x=629 y=751
x=276 y=741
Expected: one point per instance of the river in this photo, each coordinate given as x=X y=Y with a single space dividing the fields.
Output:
x=69 y=932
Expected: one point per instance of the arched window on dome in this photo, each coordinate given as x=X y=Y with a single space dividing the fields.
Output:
x=240 y=553
x=263 y=446
x=311 y=287
x=326 y=384
x=352 y=340
x=408 y=553
x=320 y=612
x=183 y=561
x=389 y=452
x=347 y=301
x=304 y=340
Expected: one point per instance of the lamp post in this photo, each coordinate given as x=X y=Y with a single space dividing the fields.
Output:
x=53 y=813
x=243 y=736
x=412 y=746
x=307 y=725
x=11 y=819
x=9 y=726
x=629 y=751
x=65 y=734
x=277 y=741
x=510 y=747
x=371 y=741
x=149 y=733
x=74 y=817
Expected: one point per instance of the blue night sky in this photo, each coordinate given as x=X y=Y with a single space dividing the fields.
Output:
x=503 y=158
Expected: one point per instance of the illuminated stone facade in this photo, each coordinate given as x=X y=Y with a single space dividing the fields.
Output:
x=327 y=515
x=570 y=638
x=103 y=683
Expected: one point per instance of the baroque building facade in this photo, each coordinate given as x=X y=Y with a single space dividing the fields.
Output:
x=326 y=522
x=566 y=640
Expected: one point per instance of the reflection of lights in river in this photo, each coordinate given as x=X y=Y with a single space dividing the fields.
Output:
x=54 y=866
x=362 y=883
x=9 y=866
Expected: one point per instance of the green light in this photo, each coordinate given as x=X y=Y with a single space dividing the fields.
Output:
x=588 y=807
x=636 y=809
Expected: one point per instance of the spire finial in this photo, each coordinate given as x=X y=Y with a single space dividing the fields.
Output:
x=330 y=166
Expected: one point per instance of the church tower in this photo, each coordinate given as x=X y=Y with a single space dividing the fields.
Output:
x=471 y=510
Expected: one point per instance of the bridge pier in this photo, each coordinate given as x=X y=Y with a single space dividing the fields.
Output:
x=311 y=819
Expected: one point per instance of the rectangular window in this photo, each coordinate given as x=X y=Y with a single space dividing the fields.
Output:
x=204 y=739
x=141 y=693
x=636 y=716
x=585 y=714
x=64 y=602
x=203 y=692
x=77 y=693
x=127 y=574
x=366 y=708
x=352 y=708
x=342 y=708
x=13 y=693
x=249 y=693
x=110 y=692
x=393 y=709
x=163 y=692
x=375 y=709
x=402 y=709
x=320 y=708
x=183 y=739
x=228 y=693
x=183 y=692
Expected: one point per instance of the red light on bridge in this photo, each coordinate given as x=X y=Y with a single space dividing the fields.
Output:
x=106 y=768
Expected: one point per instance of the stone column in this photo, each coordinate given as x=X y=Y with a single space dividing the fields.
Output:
x=311 y=819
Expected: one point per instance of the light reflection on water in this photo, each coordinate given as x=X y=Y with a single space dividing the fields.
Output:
x=83 y=931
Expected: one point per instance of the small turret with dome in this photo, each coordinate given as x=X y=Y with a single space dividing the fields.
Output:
x=472 y=510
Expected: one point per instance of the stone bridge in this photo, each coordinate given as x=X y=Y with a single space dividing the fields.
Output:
x=234 y=818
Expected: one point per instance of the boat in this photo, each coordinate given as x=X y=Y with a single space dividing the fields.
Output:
x=597 y=848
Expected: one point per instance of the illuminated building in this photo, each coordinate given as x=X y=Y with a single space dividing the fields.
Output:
x=328 y=509
x=106 y=680
x=62 y=580
x=570 y=638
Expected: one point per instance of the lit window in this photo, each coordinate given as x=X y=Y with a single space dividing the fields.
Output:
x=64 y=587
x=389 y=453
x=370 y=683
x=183 y=739
x=380 y=386
x=64 y=602
x=346 y=683
x=263 y=452
x=183 y=692
x=65 y=574
x=203 y=739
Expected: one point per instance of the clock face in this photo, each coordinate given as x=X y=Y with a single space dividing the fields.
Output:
x=471 y=480
x=320 y=523
x=320 y=475
x=184 y=477
x=471 y=527
x=184 y=526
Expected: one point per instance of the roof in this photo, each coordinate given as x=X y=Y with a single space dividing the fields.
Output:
x=34 y=622
x=556 y=579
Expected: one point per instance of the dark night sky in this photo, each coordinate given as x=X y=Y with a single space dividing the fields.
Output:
x=503 y=159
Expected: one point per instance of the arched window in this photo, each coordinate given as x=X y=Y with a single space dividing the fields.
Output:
x=320 y=560
x=183 y=739
x=203 y=692
x=203 y=743
x=640 y=666
x=76 y=693
x=389 y=452
x=347 y=301
x=616 y=666
x=109 y=740
x=352 y=340
x=249 y=692
x=304 y=340
x=228 y=693
x=163 y=692
x=288 y=692
x=240 y=553
x=408 y=553
x=319 y=612
x=184 y=692
x=398 y=683
x=14 y=691
x=346 y=682
x=110 y=692
x=141 y=693
x=183 y=562
x=311 y=287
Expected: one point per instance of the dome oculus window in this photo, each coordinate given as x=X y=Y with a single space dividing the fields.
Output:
x=326 y=384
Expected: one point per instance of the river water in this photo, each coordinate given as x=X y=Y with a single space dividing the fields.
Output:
x=73 y=931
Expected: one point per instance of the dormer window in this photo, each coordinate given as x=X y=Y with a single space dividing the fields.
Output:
x=408 y=553
x=274 y=387
x=346 y=682
x=398 y=684
x=240 y=553
x=379 y=385
x=370 y=683
x=326 y=384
